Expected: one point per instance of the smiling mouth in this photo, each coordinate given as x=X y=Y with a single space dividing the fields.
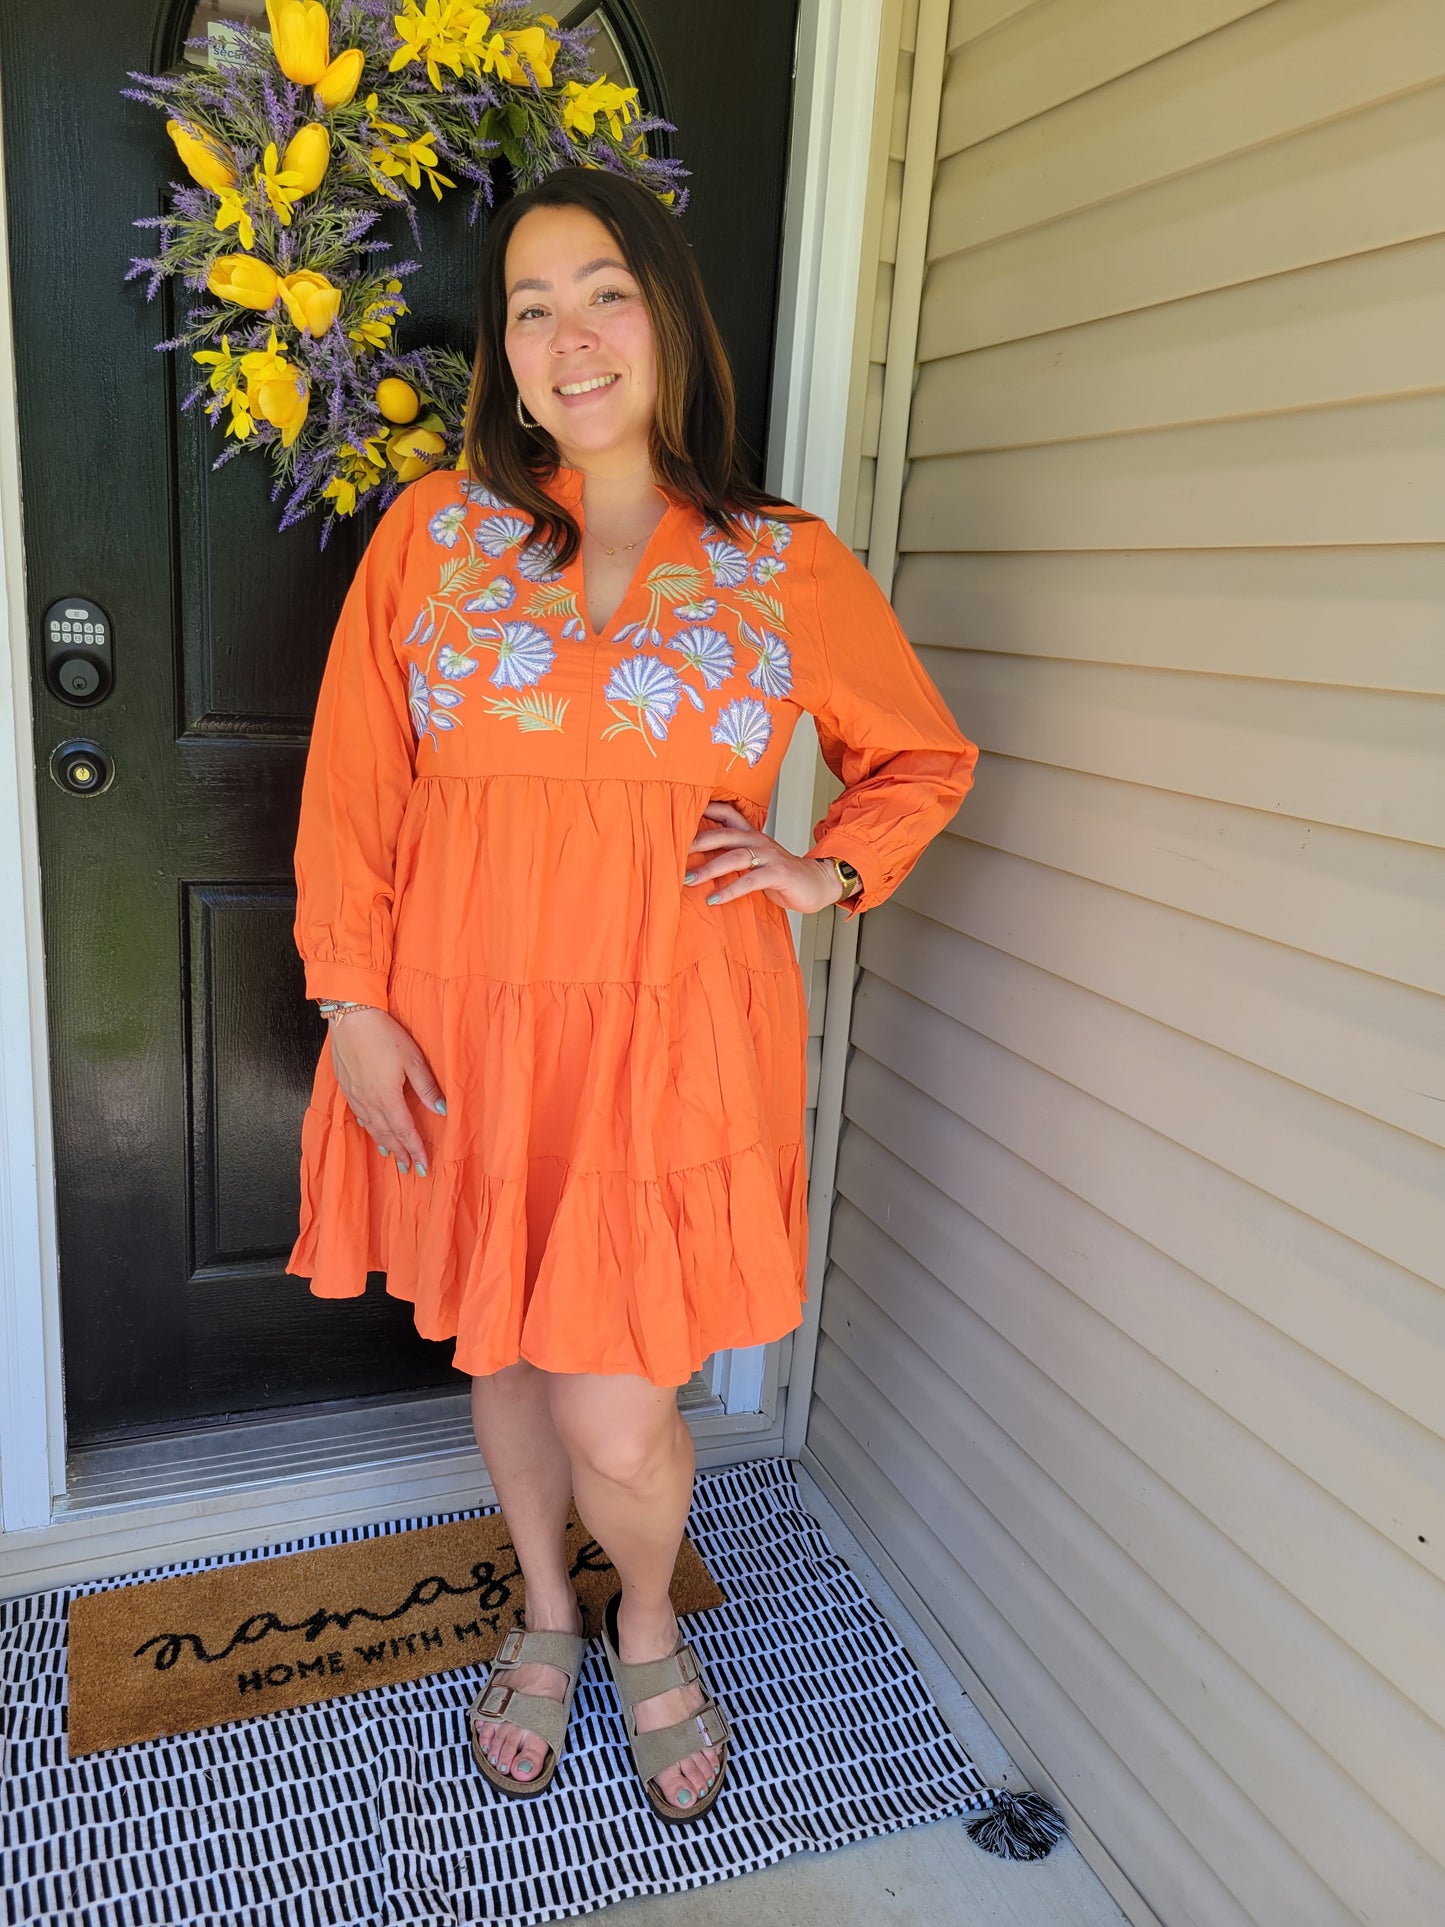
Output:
x=586 y=387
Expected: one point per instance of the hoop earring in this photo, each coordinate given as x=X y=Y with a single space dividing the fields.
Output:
x=521 y=416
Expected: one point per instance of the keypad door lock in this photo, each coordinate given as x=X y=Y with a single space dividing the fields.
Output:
x=79 y=651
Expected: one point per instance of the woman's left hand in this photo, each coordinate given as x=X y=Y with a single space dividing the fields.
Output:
x=721 y=855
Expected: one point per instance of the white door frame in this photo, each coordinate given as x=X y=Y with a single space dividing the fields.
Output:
x=835 y=73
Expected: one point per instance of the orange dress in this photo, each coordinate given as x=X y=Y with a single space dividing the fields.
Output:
x=495 y=820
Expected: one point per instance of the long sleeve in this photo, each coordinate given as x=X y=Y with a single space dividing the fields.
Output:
x=359 y=772
x=883 y=729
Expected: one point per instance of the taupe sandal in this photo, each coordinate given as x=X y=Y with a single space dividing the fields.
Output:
x=547 y=1718
x=654 y=1753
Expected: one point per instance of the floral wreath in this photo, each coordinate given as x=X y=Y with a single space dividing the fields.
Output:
x=301 y=141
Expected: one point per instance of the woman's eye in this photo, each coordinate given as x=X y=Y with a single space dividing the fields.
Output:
x=617 y=293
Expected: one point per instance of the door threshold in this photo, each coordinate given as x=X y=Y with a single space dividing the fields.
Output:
x=258 y=1451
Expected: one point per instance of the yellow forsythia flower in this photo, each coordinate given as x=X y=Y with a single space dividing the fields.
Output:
x=582 y=105
x=343 y=493
x=528 y=51
x=205 y=161
x=241 y=422
x=339 y=83
x=398 y=400
x=223 y=373
x=233 y=212
x=300 y=38
x=311 y=300
x=244 y=281
x=443 y=33
x=379 y=318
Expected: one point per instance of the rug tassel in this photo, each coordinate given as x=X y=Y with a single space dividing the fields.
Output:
x=1019 y=1826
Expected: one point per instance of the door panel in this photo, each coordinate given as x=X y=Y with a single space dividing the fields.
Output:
x=182 y=1047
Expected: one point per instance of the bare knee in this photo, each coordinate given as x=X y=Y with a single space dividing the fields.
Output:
x=633 y=1449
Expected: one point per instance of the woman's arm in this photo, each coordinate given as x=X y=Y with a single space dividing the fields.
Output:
x=884 y=731
x=359 y=772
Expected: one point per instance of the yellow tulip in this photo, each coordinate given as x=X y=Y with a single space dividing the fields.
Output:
x=311 y=300
x=339 y=83
x=205 y=160
x=244 y=281
x=300 y=39
x=307 y=156
x=277 y=392
x=284 y=402
x=398 y=400
x=413 y=452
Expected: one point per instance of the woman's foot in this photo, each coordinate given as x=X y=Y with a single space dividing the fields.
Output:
x=513 y=1748
x=641 y=1638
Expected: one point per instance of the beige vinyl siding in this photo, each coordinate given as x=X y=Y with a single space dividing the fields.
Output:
x=1132 y=1354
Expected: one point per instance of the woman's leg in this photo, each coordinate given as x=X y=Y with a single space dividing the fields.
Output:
x=632 y=1472
x=530 y=1469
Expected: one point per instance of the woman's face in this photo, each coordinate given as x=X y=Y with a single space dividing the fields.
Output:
x=579 y=338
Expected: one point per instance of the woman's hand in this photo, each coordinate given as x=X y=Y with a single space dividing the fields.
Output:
x=726 y=842
x=375 y=1058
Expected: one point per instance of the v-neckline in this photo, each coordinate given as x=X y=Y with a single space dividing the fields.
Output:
x=572 y=480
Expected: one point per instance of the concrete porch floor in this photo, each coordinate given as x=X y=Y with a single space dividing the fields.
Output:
x=932 y=1874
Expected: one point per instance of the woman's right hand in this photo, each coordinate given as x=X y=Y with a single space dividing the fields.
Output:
x=375 y=1058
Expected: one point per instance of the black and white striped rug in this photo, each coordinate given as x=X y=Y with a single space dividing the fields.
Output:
x=367 y=1811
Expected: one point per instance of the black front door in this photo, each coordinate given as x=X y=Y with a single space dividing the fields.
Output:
x=181 y=1044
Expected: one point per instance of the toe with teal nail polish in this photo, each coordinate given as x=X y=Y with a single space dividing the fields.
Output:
x=684 y=1798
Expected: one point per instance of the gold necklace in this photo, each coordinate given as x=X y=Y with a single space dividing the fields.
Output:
x=621 y=546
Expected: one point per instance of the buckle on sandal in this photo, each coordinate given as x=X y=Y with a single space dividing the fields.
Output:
x=510 y=1649
x=687 y=1665
x=491 y=1694
x=712 y=1724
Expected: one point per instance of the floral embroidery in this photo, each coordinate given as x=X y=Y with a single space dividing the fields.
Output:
x=765 y=568
x=729 y=565
x=539 y=564
x=708 y=651
x=446 y=526
x=500 y=593
x=524 y=653
x=649 y=687
x=482 y=496
x=453 y=666
x=701 y=610
x=774 y=672
x=640 y=635
x=498 y=533
x=745 y=727
x=430 y=706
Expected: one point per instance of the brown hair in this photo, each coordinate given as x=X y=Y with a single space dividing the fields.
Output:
x=694 y=442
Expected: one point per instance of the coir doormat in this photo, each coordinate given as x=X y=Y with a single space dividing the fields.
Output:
x=173 y=1655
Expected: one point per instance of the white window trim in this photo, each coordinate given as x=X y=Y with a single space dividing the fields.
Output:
x=836 y=65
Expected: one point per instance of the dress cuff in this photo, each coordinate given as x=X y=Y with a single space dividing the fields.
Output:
x=865 y=860
x=348 y=983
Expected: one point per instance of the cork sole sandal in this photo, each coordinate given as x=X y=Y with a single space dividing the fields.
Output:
x=547 y=1718
x=654 y=1753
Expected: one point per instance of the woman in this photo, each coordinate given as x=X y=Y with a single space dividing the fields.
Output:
x=534 y=886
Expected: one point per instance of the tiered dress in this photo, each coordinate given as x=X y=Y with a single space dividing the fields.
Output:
x=494 y=830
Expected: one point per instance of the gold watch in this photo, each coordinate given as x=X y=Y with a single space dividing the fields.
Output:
x=849 y=878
